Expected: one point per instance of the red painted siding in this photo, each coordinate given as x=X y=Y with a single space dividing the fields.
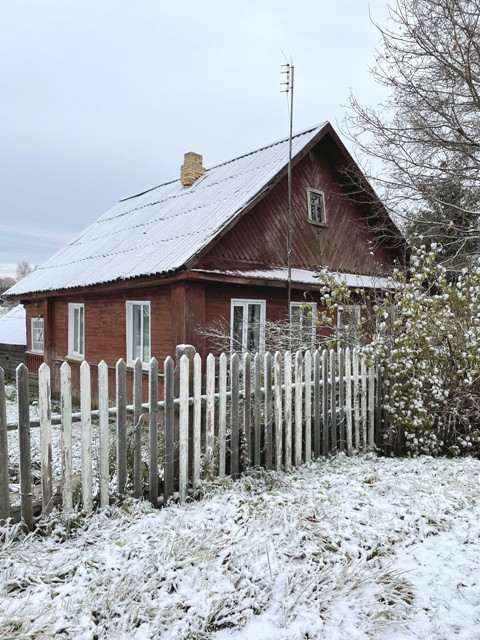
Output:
x=348 y=243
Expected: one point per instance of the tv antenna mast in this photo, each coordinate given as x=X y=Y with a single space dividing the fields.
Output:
x=289 y=82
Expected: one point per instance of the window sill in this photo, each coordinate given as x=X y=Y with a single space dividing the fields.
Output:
x=131 y=365
x=76 y=357
x=318 y=224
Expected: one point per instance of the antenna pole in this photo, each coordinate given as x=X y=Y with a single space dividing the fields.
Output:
x=289 y=72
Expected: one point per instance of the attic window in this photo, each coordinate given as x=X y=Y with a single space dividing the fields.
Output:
x=316 y=207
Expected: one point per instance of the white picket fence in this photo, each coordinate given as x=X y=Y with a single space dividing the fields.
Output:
x=272 y=411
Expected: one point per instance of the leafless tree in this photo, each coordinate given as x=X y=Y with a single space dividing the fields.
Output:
x=23 y=269
x=421 y=146
x=5 y=283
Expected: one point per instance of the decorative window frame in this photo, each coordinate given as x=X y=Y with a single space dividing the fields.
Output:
x=308 y=313
x=319 y=220
x=37 y=329
x=76 y=330
x=129 y=306
x=245 y=303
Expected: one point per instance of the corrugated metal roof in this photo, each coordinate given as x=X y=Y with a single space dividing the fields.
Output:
x=12 y=326
x=158 y=231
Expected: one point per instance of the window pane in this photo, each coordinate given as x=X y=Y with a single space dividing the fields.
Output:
x=136 y=331
x=146 y=333
x=316 y=203
x=253 y=329
x=81 y=331
x=237 y=332
x=37 y=335
x=76 y=330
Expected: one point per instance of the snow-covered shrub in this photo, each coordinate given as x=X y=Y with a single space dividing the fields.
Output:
x=427 y=335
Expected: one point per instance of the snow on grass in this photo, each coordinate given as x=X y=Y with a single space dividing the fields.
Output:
x=340 y=549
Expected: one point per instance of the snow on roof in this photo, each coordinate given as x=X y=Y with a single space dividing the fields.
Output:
x=160 y=230
x=13 y=327
x=304 y=277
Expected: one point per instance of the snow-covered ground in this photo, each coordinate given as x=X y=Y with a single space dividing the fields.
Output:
x=341 y=549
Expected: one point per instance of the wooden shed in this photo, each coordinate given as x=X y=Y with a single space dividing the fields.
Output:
x=13 y=339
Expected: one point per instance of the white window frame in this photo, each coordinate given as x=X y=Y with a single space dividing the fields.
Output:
x=322 y=222
x=245 y=303
x=38 y=346
x=354 y=332
x=308 y=312
x=130 y=305
x=76 y=329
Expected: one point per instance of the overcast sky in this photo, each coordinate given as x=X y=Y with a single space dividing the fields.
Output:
x=101 y=99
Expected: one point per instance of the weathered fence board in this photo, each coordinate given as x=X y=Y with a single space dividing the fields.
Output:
x=26 y=494
x=273 y=411
x=66 y=412
x=44 y=406
x=121 y=403
x=287 y=420
x=4 y=474
x=169 y=421
x=103 y=432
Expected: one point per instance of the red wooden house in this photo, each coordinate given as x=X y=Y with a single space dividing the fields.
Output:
x=144 y=276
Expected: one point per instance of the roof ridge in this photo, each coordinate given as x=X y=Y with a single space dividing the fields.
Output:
x=222 y=164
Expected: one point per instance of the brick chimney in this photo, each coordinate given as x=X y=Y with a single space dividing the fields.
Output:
x=191 y=168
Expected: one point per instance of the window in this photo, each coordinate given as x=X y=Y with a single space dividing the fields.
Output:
x=76 y=329
x=37 y=335
x=138 y=331
x=349 y=329
x=303 y=319
x=248 y=325
x=316 y=207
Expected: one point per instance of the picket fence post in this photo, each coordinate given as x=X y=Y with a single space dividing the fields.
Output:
x=210 y=414
x=348 y=401
x=333 y=401
x=341 y=396
x=137 y=428
x=247 y=408
x=268 y=410
x=4 y=476
x=325 y=420
x=287 y=376
x=298 y=408
x=121 y=403
x=308 y=405
x=222 y=415
x=23 y=406
x=257 y=364
x=235 y=415
x=103 y=432
x=85 y=410
x=317 y=404
x=169 y=426
x=363 y=399
x=356 y=400
x=183 y=426
x=197 y=418
x=371 y=407
x=278 y=411
x=153 y=431
x=66 y=413
x=44 y=406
